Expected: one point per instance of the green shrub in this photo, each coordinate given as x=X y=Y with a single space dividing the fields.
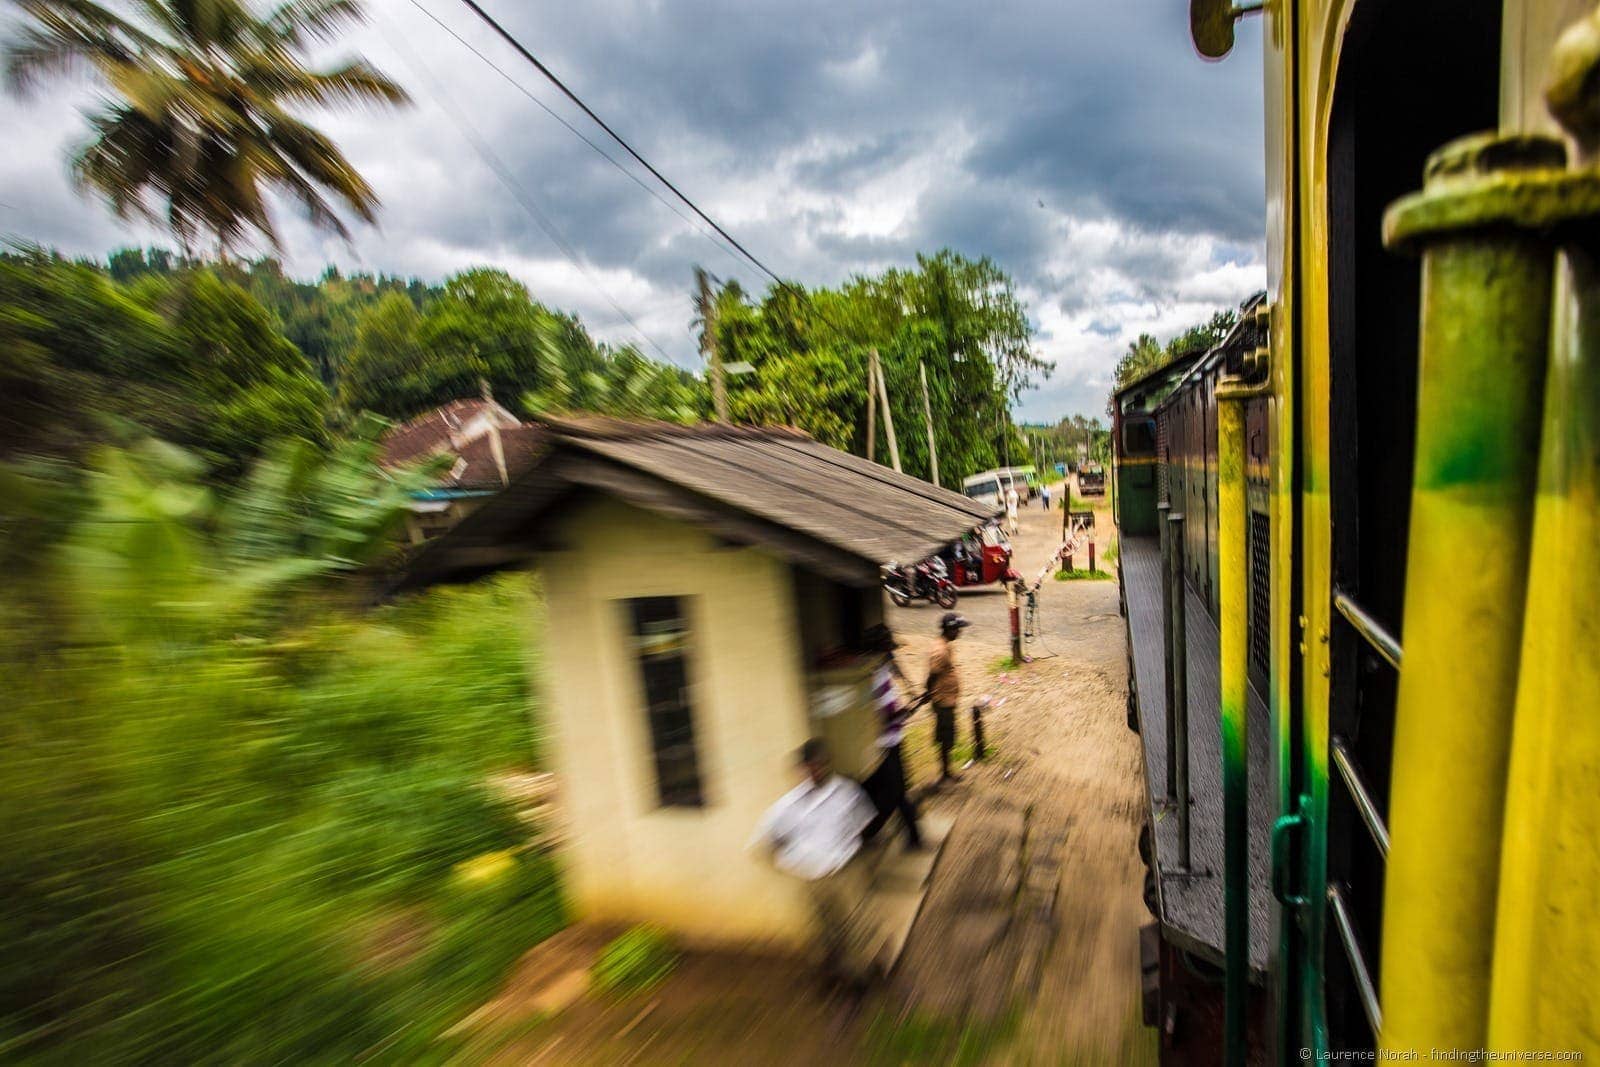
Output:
x=1078 y=574
x=636 y=961
x=234 y=823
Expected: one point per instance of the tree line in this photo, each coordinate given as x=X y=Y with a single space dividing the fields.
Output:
x=224 y=357
x=1146 y=354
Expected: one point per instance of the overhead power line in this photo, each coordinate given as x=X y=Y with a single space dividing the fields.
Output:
x=579 y=134
x=615 y=136
x=514 y=187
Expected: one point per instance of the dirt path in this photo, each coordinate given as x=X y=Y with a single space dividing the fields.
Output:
x=1031 y=921
x=1026 y=950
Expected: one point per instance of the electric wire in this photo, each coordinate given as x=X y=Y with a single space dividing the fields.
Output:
x=551 y=76
x=493 y=161
x=579 y=134
x=615 y=136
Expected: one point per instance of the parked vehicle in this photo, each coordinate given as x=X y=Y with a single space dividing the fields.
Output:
x=1092 y=479
x=990 y=487
x=985 y=487
x=1026 y=479
x=927 y=580
x=983 y=557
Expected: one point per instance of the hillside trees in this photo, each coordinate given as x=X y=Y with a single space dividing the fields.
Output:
x=959 y=317
x=1146 y=354
x=189 y=358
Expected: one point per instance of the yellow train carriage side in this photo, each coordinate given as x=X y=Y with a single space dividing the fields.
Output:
x=1433 y=381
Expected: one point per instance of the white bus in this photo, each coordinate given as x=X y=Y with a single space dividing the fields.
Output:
x=990 y=487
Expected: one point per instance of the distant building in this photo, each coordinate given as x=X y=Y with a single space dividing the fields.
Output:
x=707 y=589
x=488 y=444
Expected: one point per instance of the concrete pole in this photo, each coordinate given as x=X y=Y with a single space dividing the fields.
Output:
x=872 y=408
x=888 y=416
x=708 y=345
x=927 y=415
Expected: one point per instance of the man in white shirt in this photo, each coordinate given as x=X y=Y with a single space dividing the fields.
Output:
x=1011 y=510
x=814 y=833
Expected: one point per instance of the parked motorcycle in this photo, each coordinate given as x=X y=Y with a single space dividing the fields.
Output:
x=928 y=580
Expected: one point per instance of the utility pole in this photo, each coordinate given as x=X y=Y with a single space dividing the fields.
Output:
x=708 y=344
x=927 y=415
x=888 y=416
x=872 y=408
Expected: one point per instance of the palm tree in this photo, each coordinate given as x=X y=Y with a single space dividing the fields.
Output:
x=201 y=118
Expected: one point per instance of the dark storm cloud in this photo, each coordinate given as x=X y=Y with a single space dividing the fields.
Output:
x=1080 y=144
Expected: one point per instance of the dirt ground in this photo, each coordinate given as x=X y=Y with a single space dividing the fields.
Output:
x=1026 y=948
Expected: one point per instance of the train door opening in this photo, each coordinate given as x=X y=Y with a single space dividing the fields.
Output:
x=1410 y=79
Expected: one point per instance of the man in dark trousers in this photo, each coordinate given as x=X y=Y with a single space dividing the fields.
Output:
x=944 y=689
x=886 y=785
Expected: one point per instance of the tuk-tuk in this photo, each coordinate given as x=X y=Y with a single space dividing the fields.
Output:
x=981 y=558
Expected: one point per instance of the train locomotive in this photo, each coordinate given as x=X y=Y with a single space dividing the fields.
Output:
x=1359 y=558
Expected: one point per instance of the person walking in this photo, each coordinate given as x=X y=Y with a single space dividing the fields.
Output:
x=813 y=833
x=1044 y=494
x=1011 y=510
x=944 y=689
x=886 y=785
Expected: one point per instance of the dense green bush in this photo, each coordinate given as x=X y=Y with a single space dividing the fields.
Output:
x=237 y=808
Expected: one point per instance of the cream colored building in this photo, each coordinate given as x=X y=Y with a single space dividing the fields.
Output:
x=705 y=589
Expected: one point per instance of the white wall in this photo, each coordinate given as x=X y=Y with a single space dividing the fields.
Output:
x=629 y=859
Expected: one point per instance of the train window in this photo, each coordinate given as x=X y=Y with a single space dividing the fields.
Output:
x=1139 y=437
x=1393 y=105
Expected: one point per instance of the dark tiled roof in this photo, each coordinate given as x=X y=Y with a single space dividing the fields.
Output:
x=822 y=508
x=477 y=467
x=433 y=432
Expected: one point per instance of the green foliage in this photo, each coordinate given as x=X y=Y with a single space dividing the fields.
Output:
x=482 y=330
x=637 y=960
x=254 y=386
x=1078 y=574
x=926 y=1037
x=1147 y=354
x=235 y=809
x=200 y=117
x=959 y=318
x=1068 y=441
x=618 y=382
x=188 y=356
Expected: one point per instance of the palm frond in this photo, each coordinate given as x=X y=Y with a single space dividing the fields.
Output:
x=200 y=111
x=304 y=22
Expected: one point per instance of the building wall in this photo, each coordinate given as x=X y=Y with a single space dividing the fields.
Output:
x=630 y=860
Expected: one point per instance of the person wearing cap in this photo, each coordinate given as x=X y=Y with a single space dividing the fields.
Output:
x=813 y=833
x=944 y=689
x=886 y=785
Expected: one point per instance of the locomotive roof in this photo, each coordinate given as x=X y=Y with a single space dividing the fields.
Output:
x=837 y=514
x=1243 y=332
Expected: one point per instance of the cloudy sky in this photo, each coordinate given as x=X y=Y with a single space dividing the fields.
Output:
x=1079 y=143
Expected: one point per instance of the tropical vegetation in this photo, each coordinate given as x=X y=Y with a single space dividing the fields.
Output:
x=1146 y=354
x=246 y=817
x=201 y=114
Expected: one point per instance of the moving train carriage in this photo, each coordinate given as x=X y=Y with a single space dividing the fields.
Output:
x=1386 y=560
x=1133 y=428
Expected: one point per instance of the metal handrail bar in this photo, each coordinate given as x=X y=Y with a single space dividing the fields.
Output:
x=1368 y=627
x=1346 y=762
x=1358 y=963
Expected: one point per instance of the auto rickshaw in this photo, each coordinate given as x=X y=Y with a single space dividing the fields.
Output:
x=983 y=557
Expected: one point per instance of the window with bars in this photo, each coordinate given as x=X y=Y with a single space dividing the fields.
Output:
x=1260 y=600
x=661 y=648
